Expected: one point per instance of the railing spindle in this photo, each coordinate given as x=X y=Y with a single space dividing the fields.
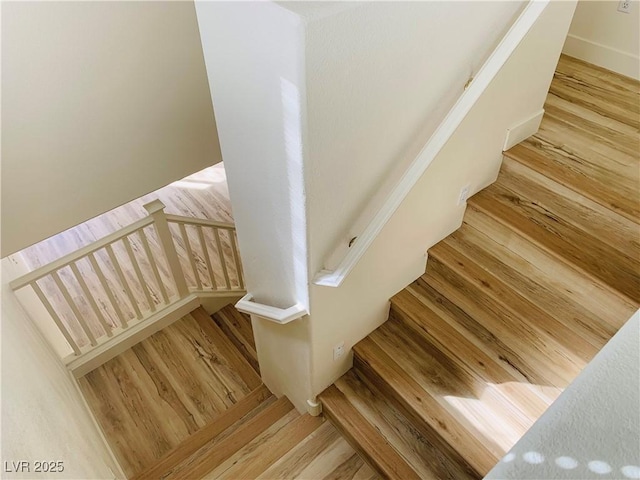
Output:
x=156 y=211
x=223 y=262
x=236 y=258
x=154 y=266
x=205 y=251
x=123 y=281
x=56 y=318
x=74 y=308
x=105 y=286
x=92 y=301
x=136 y=268
x=192 y=260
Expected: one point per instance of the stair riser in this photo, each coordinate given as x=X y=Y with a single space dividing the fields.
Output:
x=377 y=382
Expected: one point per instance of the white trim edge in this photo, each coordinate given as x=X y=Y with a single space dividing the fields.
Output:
x=274 y=314
x=433 y=146
x=604 y=56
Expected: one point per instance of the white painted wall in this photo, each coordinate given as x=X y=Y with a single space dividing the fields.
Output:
x=601 y=35
x=372 y=81
x=471 y=157
x=43 y=414
x=255 y=62
x=102 y=102
x=593 y=430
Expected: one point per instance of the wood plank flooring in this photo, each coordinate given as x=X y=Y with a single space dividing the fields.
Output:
x=188 y=403
x=543 y=272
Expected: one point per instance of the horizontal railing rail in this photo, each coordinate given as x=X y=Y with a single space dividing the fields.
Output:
x=274 y=314
x=154 y=265
x=360 y=243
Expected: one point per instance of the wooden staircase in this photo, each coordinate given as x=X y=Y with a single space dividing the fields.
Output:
x=188 y=403
x=513 y=305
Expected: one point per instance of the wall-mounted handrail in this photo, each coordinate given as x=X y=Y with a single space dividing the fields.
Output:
x=436 y=142
x=274 y=314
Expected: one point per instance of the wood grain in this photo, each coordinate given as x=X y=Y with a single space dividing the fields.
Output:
x=542 y=273
x=237 y=327
x=162 y=391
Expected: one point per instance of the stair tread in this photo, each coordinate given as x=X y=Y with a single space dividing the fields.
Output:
x=238 y=329
x=597 y=222
x=239 y=365
x=534 y=261
x=556 y=235
x=536 y=286
x=428 y=406
x=417 y=307
x=604 y=92
x=260 y=397
x=542 y=157
x=429 y=457
x=364 y=437
x=606 y=130
x=573 y=346
x=535 y=357
x=265 y=449
x=220 y=448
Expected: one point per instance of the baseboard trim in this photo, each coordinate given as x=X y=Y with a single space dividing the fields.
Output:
x=603 y=56
x=523 y=130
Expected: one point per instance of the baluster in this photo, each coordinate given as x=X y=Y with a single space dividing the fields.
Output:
x=136 y=268
x=74 y=308
x=192 y=260
x=56 y=318
x=156 y=210
x=123 y=281
x=236 y=257
x=154 y=266
x=92 y=301
x=105 y=286
x=223 y=262
x=205 y=251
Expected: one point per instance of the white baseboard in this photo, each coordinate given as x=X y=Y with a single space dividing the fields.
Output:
x=603 y=56
x=523 y=130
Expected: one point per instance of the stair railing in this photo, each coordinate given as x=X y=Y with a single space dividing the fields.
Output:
x=113 y=285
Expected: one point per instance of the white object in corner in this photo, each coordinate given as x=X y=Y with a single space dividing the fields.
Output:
x=523 y=130
x=274 y=314
x=433 y=146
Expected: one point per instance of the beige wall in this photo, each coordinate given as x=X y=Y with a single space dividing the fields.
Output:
x=101 y=102
x=43 y=414
x=601 y=35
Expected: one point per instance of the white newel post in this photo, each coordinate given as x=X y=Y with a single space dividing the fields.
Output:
x=156 y=211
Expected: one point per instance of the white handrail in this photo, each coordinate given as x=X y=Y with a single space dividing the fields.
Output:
x=274 y=314
x=120 y=284
x=433 y=146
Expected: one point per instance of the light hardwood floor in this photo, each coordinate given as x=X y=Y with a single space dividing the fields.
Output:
x=187 y=403
x=513 y=305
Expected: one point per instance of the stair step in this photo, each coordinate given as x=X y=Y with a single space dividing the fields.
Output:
x=606 y=130
x=610 y=95
x=571 y=308
x=432 y=396
x=512 y=305
x=261 y=397
x=417 y=308
x=539 y=264
x=540 y=359
x=561 y=167
x=219 y=449
x=237 y=327
x=428 y=455
x=364 y=438
x=534 y=221
x=257 y=456
x=238 y=364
